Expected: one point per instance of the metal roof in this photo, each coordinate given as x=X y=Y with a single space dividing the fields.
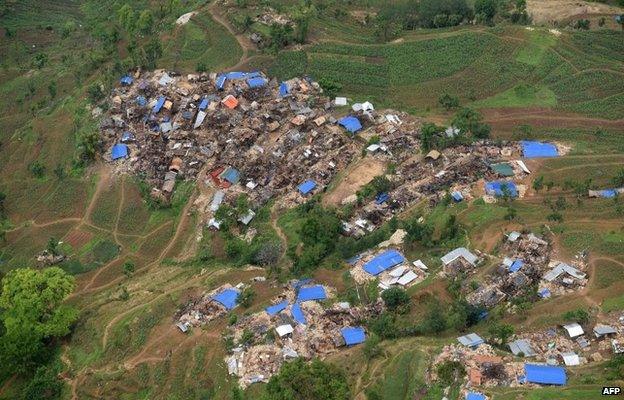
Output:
x=460 y=252
x=521 y=346
x=471 y=340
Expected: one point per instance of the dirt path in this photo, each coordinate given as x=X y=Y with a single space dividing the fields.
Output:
x=278 y=230
x=243 y=41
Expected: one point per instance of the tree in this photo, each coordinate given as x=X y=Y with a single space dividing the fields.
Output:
x=448 y=101
x=128 y=268
x=37 y=169
x=451 y=228
x=52 y=247
x=538 y=184
x=450 y=372
x=579 y=315
x=280 y=35
x=371 y=347
x=246 y=297
x=33 y=314
x=502 y=332
x=429 y=9
x=395 y=297
x=618 y=179
x=330 y=88
x=52 y=89
x=45 y=385
x=126 y=17
x=471 y=121
x=145 y=22
x=302 y=15
x=152 y=51
x=486 y=9
x=307 y=381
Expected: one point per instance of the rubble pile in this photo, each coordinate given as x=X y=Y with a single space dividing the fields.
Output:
x=484 y=367
x=527 y=258
x=273 y=339
x=563 y=278
x=455 y=169
x=47 y=258
x=201 y=310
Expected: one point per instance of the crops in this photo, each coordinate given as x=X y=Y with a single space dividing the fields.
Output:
x=500 y=67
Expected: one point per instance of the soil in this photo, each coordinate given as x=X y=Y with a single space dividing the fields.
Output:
x=361 y=173
x=548 y=11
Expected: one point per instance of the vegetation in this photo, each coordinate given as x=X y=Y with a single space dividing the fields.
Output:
x=308 y=381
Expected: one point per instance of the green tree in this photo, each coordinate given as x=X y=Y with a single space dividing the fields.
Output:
x=471 y=121
x=307 y=381
x=126 y=17
x=280 y=36
x=502 y=332
x=455 y=10
x=52 y=89
x=128 y=268
x=486 y=9
x=45 y=384
x=578 y=315
x=450 y=372
x=33 y=314
x=395 y=297
x=246 y=297
x=538 y=184
x=37 y=169
x=152 y=52
x=145 y=22
x=448 y=101
x=302 y=16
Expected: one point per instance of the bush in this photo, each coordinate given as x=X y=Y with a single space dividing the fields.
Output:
x=395 y=297
x=450 y=372
x=448 y=101
x=37 y=169
x=579 y=315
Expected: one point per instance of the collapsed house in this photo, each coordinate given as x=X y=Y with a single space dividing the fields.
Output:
x=563 y=278
x=389 y=267
x=296 y=325
x=458 y=261
x=207 y=307
x=527 y=257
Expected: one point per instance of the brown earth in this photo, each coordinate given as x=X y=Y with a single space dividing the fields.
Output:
x=356 y=176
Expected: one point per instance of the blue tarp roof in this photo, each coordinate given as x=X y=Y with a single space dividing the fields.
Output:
x=383 y=261
x=141 y=101
x=126 y=80
x=297 y=314
x=127 y=136
x=353 y=260
x=159 y=104
x=203 y=104
x=316 y=292
x=301 y=282
x=231 y=175
x=276 y=308
x=382 y=198
x=220 y=82
x=544 y=293
x=545 y=374
x=256 y=82
x=350 y=123
x=307 y=186
x=235 y=75
x=227 y=297
x=119 y=150
x=516 y=265
x=284 y=89
x=532 y=149
x=496 y=188
x=475 y=396
x=608 y=193
x=353 y=335
x=457 y=196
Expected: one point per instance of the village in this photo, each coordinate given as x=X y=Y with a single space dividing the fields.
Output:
x=240 y=133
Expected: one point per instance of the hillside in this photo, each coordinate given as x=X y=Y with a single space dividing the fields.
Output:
x=137 y=262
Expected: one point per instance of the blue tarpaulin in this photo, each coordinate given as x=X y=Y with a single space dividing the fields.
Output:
x=227 y=298
x=284 y=89
x=316 y=292
x=159 y=104
x=301 y=282
x=220 y=82
x=516 y=265
x=608 y=193
x=545 y=374
x=382 y=198
x=350 y=123
x=544 y=293
x=307 y=186
x=235 y=75
x=119 y=151
x=354 y=259
x=126 y=80
x=127 y=136
x=457 y=196
x=496 y=188
x=276 y=308
x=141 y=101
x=231 y=175
x=297 y=314
x=532 y=149
x=353 y=335
x=203 y=104
x=383 y=261
x=475 y=396
x=256 y=82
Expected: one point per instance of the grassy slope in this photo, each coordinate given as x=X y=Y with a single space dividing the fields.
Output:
x=496 y=67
